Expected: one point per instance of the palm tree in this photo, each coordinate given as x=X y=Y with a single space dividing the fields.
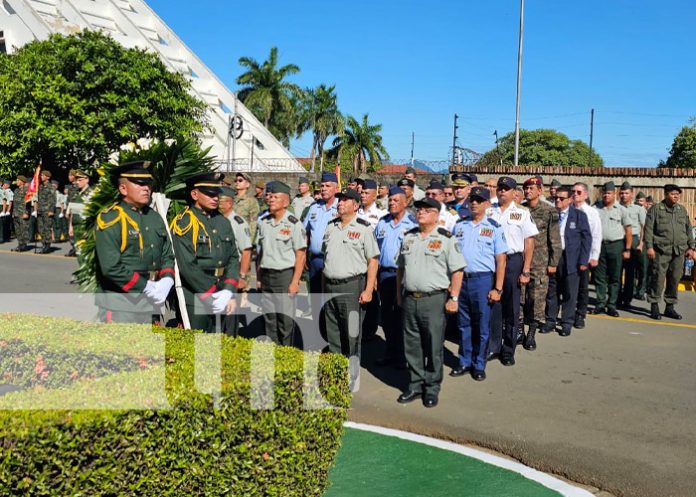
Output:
x=360 y=143
x=323 y=117
x=272 y=99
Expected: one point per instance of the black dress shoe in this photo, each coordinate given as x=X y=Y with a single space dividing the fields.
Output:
x=565 y=331
x=655 y=312
x=507 y=360
x=612 y=312
x=548 y=327
x=492 y=356
x=671 y=312
x=579 y=323
x=478 y=374
x=430 y=400
x=409 y=396
x=598 y=310
x=460 y=371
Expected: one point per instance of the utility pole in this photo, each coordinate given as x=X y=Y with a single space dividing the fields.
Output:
x=591 y=134
x=497 y=149
x=413 y=141
x=519 y=81
x=454 y=141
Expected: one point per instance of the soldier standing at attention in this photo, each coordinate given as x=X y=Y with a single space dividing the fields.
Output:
x=133 y=251
x=448 y=216
x=206 y=253
x=282 y=246
x=519 y=232
x=245 y=204
x=616 y=247
x=642 y=260
x=418 y=193
x=636 y=215
x=20 y=215
x=430 y=272
x=79 y=195
x=668 y=239
x=304 y=197
x=390 y=233
x=483 y=241
x=407 y=186
x=350 y=272
x=547 y=253
x=44 y=209
x=382 y=200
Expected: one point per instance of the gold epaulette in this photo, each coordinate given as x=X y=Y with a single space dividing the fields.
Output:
x=125 y=221
x=194 y=225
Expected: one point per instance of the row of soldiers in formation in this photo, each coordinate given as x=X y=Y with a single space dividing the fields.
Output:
x=482 y=264
x=47 y=211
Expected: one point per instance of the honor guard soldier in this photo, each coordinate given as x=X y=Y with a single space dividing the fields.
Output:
x=44 y=210
x=636 y=215
x=483 y=241
x=430 y=273
x=390 y=233
x=547 y=253
x=206 y=253
x=281 y=246
x=616 y=247
x=79 y=194
x=519 y=229
x=21 y=214
x=133 y=251
x=350 y=273
x=668 y=239
x=303 y=199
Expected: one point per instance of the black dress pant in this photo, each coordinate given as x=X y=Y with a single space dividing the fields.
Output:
x=511 y=303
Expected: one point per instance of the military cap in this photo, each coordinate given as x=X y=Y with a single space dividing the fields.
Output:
x=209 y=182
x=244 y=175
x=46 y=173
x=278 y=187
x=369 y=184
x=227 y=192
x=649 y=198
x=555 y=182
x=405 y=182
x=79 y=173
x=436 y=185
x=302 y=179
x=672 y=187
x=135 y=172
x=55 y=182
x=609 y=186
x=396 y=190
x=626 y=186
x=329 y=177
x=21 y=178
x=427 y=202
x=473 y=178
x=507 y=182
x=480 y=193
x=460 y=179
x=260 y=184
x=640 y=195
x=267 y=186
x=540 y=178
x=536 y=181
x=348 y=193
x=410 y=170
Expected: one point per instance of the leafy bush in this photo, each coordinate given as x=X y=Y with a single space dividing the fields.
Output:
x=193 y=443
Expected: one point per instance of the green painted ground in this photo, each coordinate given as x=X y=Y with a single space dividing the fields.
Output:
x=369 y=464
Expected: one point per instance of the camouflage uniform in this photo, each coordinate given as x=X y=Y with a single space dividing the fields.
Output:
x=247 y=207
x=547 y=252
x=19 y=209
x=77 y=197
x=46 y=204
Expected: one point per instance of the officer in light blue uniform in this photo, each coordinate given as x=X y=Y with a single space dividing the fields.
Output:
x=390 y=232
x=482 y=242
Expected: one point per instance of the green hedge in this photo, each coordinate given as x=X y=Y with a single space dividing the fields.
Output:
x=186 y=443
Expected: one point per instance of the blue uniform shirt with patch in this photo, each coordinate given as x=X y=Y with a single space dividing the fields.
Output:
x=389 y=238
x=315 y=223
x=480 y=243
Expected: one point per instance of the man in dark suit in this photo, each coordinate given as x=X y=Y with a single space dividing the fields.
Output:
x=576 y=240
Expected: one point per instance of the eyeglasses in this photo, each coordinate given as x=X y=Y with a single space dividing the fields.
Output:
x=578 y=192
x=239 y=180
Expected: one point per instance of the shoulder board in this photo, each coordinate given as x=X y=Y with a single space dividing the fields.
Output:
x=413 y=231
x=292 y=219
x=362 y=221
x=493 y=222
x=412 y=217
x=444 y=232
x=108 y=213
x=386 y=217
x=239 y=219
x=335 y=220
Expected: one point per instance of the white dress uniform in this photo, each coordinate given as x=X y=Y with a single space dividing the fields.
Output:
x=372 y=214
x=447 y=220
x=517 y=225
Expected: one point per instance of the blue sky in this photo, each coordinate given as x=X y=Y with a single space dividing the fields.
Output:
x=412 y=64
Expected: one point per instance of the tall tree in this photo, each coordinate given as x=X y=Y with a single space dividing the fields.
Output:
x=683 y=151
x=73 y=100
x=272 y=99
x=542 y=147
x=361 y=144
x=323 y=118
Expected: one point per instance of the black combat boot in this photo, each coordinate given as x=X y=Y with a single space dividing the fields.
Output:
x=655 y=311
x=520 y=333
x=529 y=341
x=671 y=312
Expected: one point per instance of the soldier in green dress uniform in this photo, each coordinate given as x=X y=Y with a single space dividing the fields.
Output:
x=206 y=253
x=135 y=269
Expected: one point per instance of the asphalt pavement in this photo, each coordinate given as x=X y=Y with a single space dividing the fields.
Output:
x=611 y=406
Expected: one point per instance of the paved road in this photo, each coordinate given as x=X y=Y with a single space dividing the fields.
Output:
x=610 y=406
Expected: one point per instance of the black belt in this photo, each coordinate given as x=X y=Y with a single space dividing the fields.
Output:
x=479 y=274
x=514 y=254
x=388 y=270
x=331 y=281
x=150 y=275
x=420 y=295
x=269 y=270
x=217 y=272
x=613 y=241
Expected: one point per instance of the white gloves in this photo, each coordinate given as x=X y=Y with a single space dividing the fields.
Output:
x=149 y=291
x=60 y=216
x=162 y=289
x=220 y=301
x=34 y=214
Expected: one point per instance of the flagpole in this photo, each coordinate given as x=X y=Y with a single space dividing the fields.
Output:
x=519 y=81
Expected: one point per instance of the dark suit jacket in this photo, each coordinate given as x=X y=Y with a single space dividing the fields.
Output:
x=578 y=241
